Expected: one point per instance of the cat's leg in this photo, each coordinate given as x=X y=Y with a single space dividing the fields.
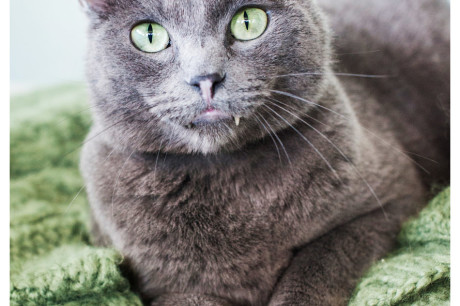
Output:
x=189 y=300
x=326 y=271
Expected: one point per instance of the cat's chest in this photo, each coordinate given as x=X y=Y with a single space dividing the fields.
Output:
x=209 y=232
x=207 y=208
x=198 y=205
x=195 y=194
x=188 y=228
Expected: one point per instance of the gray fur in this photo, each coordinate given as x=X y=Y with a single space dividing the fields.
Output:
x=222 y=214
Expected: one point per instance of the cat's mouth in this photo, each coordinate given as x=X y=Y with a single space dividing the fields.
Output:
x=212 y=116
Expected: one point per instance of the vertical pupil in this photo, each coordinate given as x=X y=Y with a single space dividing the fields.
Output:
x=246 y=20
x=150 y=35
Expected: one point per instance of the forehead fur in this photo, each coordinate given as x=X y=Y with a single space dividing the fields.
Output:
x=168 y=9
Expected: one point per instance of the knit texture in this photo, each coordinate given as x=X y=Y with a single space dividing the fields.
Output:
x=418 y=272
x=53 y=263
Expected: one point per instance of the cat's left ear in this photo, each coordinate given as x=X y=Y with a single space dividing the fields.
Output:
x=100 y=7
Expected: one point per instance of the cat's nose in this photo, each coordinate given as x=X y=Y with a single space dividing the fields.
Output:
x=207 y=84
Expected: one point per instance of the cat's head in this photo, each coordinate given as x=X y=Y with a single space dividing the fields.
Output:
x=202 y=75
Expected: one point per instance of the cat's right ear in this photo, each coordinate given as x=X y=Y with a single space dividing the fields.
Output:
x=98 y=7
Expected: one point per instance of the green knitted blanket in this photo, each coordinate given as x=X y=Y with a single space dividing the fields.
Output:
x=53 y=263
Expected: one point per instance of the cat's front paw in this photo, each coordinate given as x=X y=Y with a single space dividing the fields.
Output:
x=306 y=299
x=189 y=300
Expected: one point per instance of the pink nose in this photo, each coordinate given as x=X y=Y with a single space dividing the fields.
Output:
x=207 y=85
x=207 y=91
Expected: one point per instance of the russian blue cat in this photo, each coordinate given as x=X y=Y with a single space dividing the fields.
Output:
x=262 y=152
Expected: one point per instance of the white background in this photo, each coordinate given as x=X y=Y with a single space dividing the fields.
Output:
x=48 y=43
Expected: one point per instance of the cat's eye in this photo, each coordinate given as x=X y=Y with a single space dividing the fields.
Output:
x=249 y=24
x=150 y=37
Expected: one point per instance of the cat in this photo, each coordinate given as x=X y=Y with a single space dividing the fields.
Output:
x=242 y=153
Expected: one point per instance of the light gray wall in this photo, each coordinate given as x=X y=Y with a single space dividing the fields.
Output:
x=47 y=43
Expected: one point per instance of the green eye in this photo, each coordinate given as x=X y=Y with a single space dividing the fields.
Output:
x=150 y=37
x=249 y=24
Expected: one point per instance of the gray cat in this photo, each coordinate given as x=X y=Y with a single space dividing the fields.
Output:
x=242 y=155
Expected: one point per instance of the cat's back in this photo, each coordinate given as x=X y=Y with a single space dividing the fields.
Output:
x=406 y=43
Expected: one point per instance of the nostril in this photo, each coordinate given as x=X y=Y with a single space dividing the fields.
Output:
x=207 y=83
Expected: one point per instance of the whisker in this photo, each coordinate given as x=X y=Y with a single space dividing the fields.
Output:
x=73 y=200
x=232 y=140
x=287 y=94
x=60 y=122
x=374 y=194
x=156 y=161
x=295 y=110
x=84 y=187
x=404 y=153
x=340 y=74
x=106 y=129
x=279 y=140
x=117 y=181
x=228 y=127
x=308 y=141
x=271 y=136
x=348 y=118
x=360 y=53
x=423 y=157
x=167 y=145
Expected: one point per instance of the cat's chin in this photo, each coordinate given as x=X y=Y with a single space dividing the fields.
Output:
x=210 y=132
x=208 y=138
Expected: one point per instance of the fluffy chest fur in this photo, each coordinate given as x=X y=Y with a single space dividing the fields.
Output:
x=229 y=224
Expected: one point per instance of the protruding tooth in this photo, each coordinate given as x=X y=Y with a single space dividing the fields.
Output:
x=189 y=126
x=237 y=120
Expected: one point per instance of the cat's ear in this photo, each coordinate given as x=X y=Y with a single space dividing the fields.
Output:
x=100 y=7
